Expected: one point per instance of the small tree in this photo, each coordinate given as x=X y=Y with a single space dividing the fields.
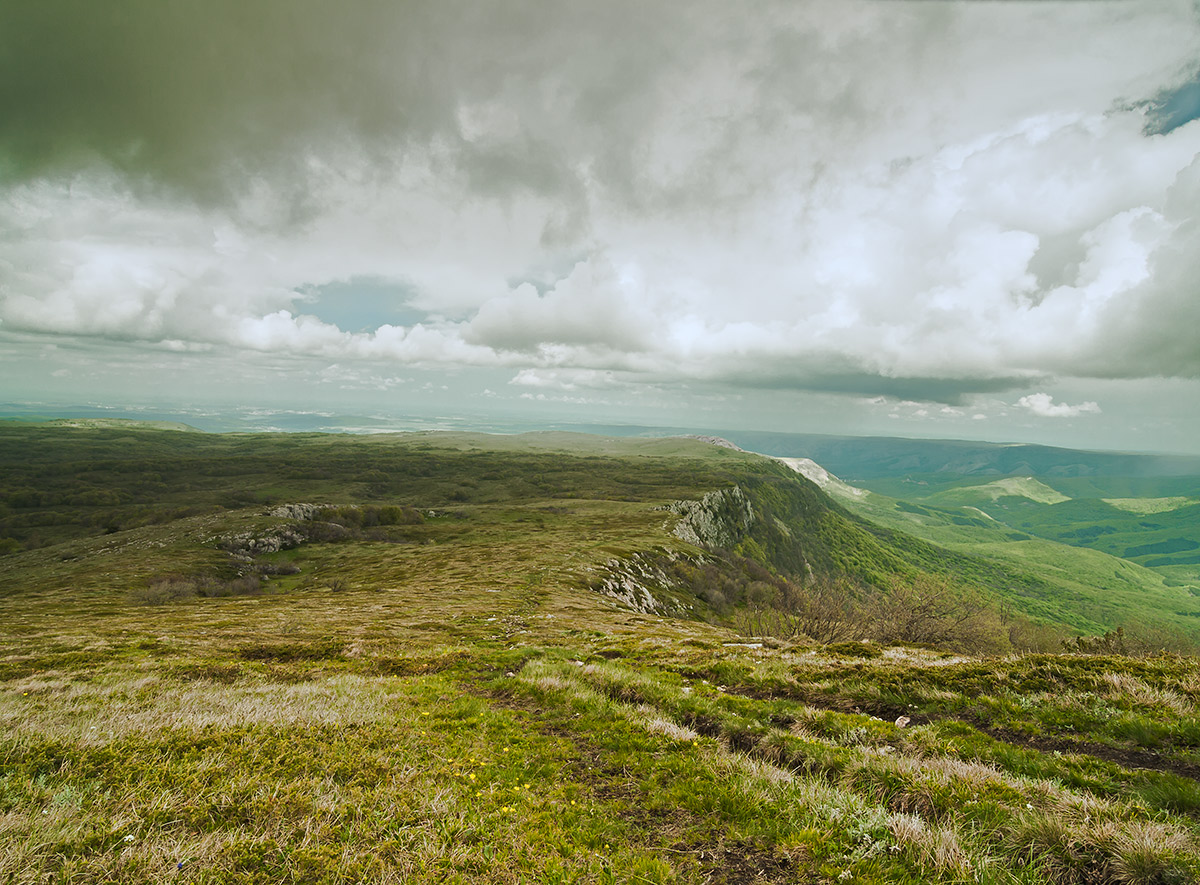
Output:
x=827 y=610
x=932 y=611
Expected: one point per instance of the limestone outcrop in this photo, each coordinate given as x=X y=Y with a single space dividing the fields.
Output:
x=719 y=519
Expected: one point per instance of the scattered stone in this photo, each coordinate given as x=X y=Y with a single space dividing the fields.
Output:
x=296 y=511
x=637 y=583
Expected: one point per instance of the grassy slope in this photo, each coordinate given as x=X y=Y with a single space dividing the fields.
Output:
x=62 y=486
x=1143 y=508
x=450 y=703
x=1091 y=590
x=990 y=492
x=1154 y=530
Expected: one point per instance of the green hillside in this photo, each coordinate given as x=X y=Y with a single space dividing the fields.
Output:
x=1152 y=531
x=990 y=492
x=459 y=658
x=66 y=485
x=1063 y=544
x=1033 y=510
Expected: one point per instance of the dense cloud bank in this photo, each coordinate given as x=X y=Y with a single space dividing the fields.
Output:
x=925 y=201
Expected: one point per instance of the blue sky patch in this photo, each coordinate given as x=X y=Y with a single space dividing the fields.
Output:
x=1174 y=108
x=361 y=304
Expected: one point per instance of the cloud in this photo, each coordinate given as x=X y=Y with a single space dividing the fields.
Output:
x=568 y=379
x=591 y=308
x=1043 y=405
x=845 y=197
x=1149 y=329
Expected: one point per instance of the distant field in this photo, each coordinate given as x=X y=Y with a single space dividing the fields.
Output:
x=1150 y=505
x=1009 y=487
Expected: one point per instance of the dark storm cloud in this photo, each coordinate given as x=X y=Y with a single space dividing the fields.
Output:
x=953 y=391
x=188 y=93
x=198 y=96
x=651 y=104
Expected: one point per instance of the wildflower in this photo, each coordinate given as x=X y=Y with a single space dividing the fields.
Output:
x=128 y=838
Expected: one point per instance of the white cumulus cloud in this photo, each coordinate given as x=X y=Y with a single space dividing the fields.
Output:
x=1044 y=406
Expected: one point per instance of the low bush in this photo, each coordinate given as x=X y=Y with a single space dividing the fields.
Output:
x=173 y=588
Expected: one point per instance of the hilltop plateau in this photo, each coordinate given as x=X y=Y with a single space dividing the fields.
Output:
x=555 y=657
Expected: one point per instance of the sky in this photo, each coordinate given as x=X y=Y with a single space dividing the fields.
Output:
x=939 y=218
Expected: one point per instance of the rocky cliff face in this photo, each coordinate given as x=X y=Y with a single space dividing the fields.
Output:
x=719 y=519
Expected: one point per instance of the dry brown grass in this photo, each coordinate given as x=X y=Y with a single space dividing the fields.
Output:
x=89 y=713
x=937 y=846
x=1141 y=693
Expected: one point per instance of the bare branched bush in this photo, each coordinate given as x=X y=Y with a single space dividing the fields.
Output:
x=1111 y=643
x=925 y=611
x=932 y=611
x=162 y=591
x=173 y=588
x=1146 y=640
x=1026 y=634
x=825 y=611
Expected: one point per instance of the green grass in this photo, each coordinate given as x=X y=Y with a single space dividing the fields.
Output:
x=447 y=699
x=990 y=492
x=1150 y=505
